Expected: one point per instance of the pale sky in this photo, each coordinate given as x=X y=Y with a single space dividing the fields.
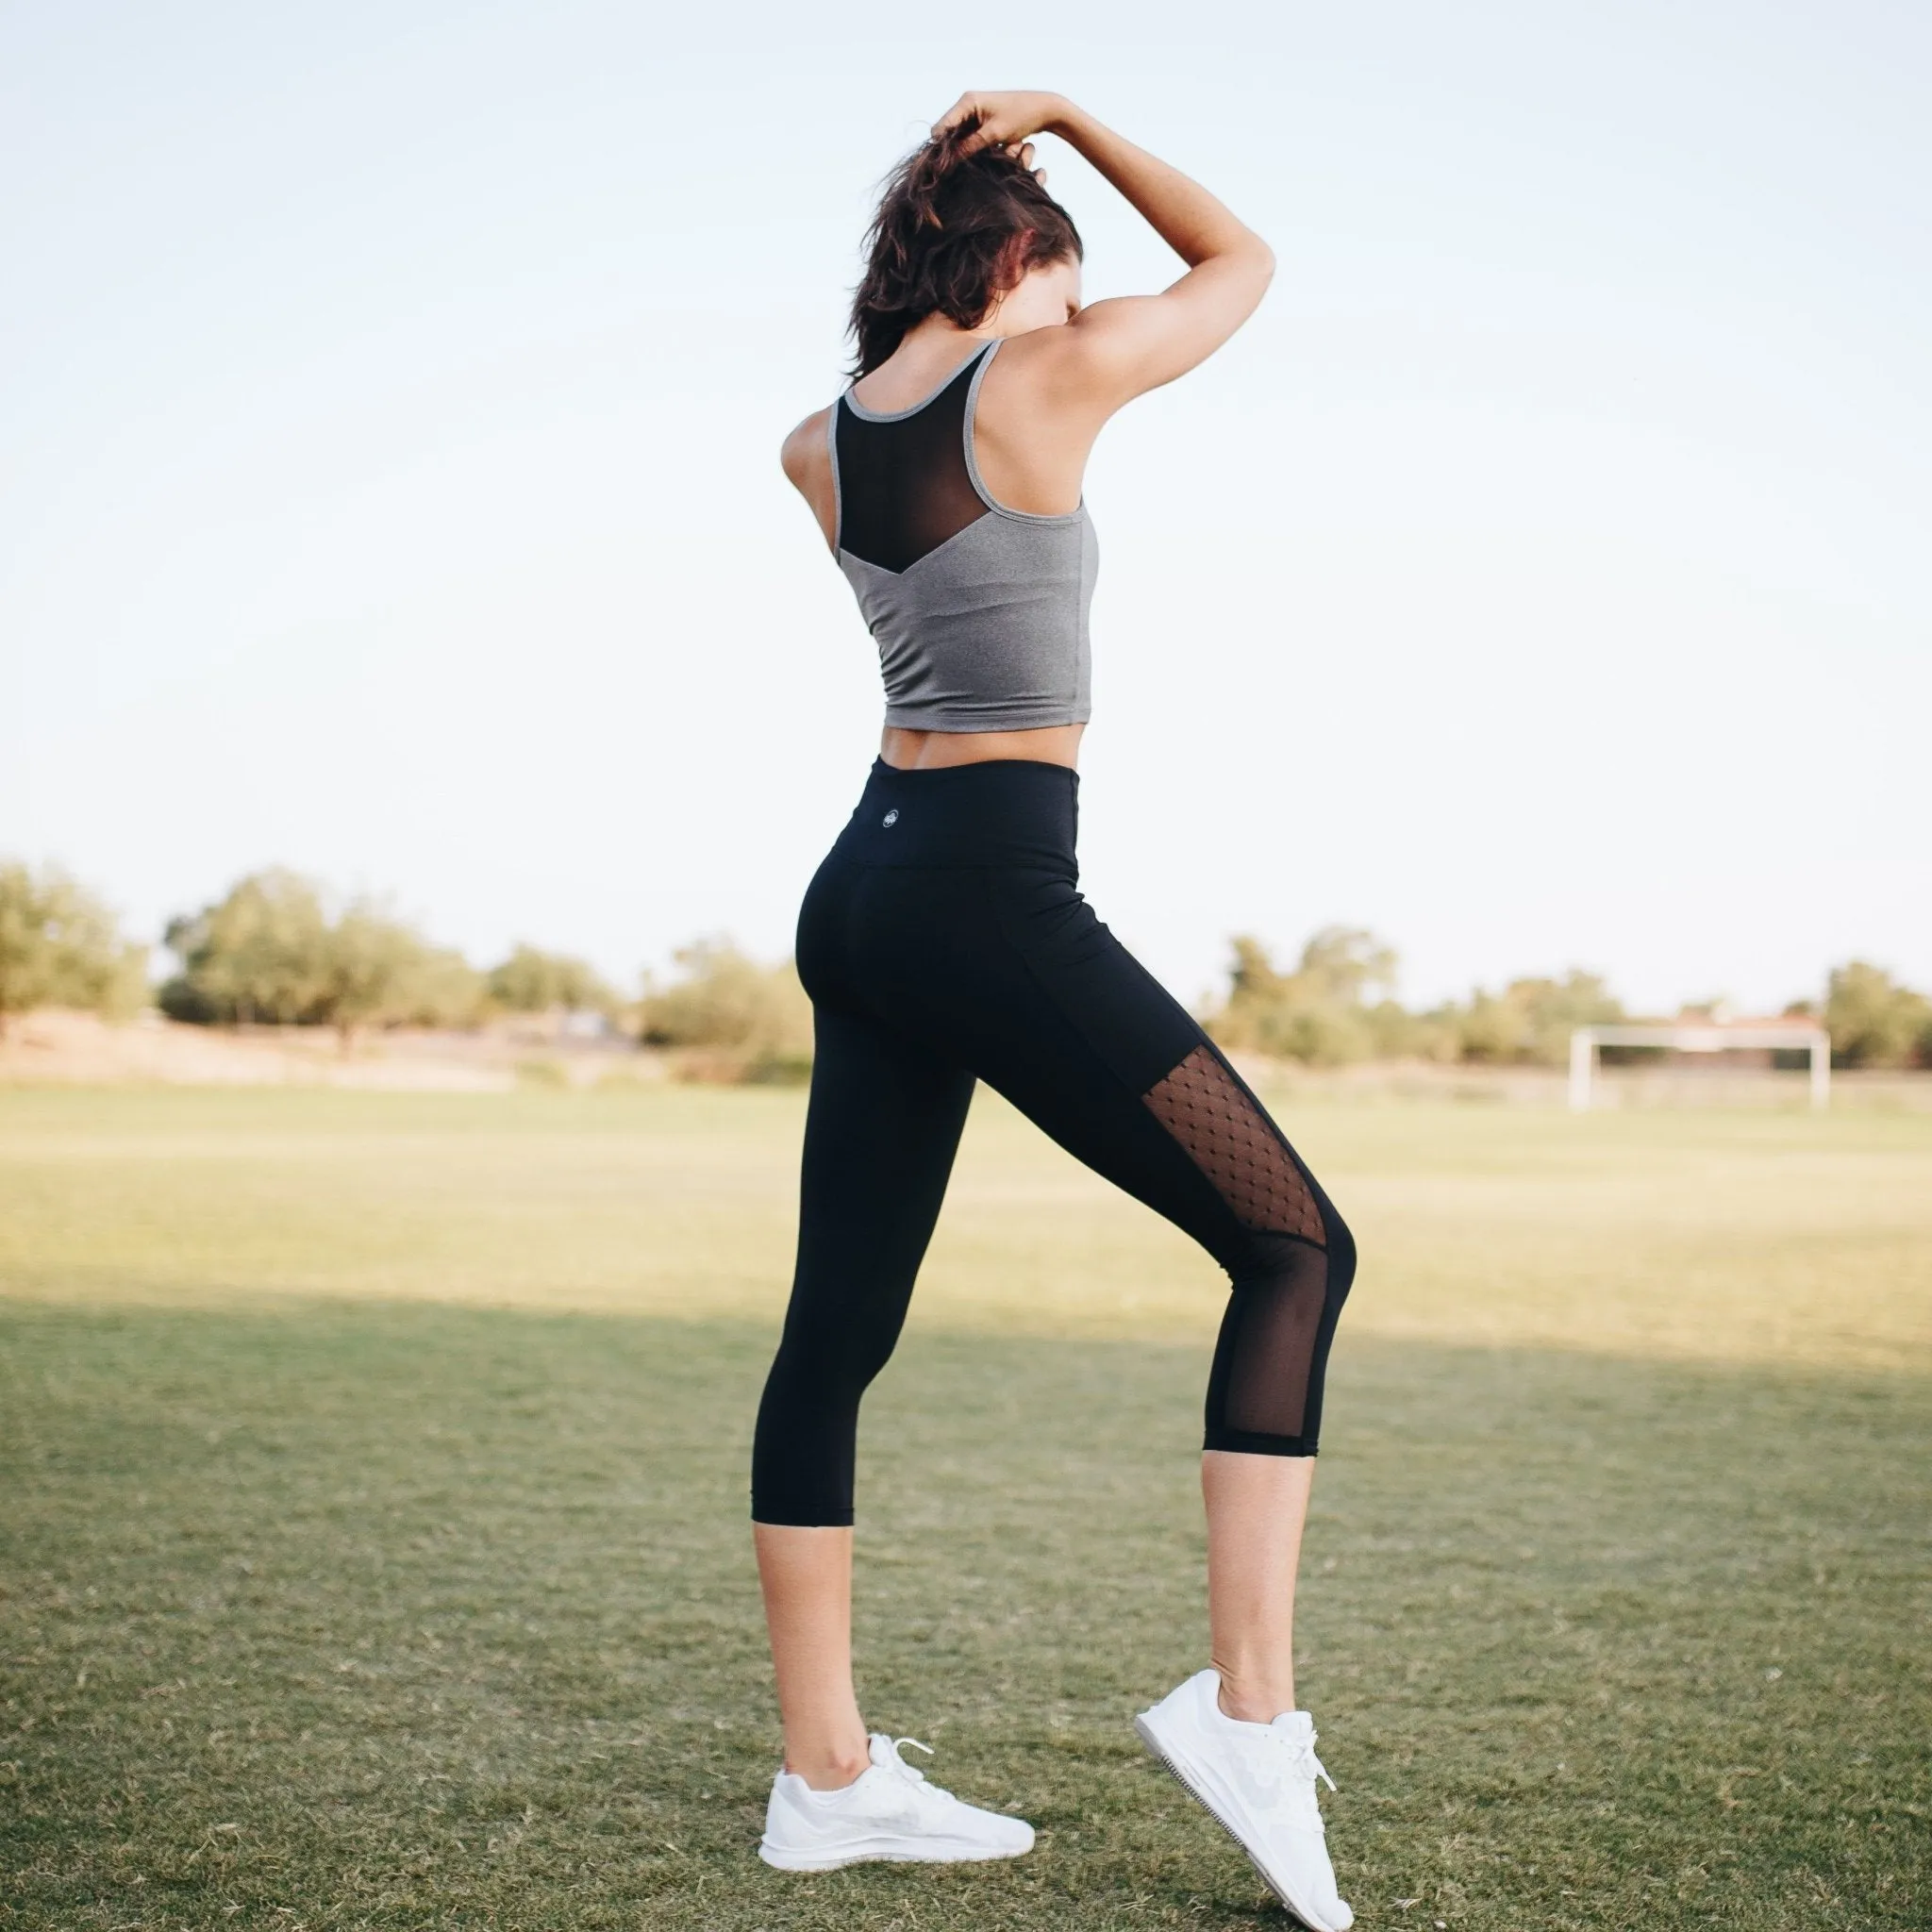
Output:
x=390 y=400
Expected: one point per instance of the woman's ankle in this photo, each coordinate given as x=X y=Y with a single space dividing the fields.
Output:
x=829 y=1770
x=1254 y=1700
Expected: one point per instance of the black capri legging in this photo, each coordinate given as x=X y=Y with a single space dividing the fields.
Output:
x=944 y=939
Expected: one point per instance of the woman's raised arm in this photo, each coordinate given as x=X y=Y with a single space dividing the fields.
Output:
x=1129 y=344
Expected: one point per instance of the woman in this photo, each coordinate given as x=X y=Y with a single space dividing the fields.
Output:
x=944 y=941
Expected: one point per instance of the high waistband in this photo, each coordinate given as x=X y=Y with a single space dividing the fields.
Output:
x=999 y=813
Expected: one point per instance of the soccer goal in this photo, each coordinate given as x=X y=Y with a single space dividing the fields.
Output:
x=1701 y=1037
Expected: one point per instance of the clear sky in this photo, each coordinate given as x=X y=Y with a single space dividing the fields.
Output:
x=390 y=399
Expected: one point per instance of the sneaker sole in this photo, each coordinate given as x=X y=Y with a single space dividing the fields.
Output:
x=1145 y=1732
x=878 y=1852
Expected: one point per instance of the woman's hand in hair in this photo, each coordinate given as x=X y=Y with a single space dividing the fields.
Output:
x=1002 y=118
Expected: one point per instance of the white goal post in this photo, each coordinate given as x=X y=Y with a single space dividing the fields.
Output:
x=1700 y=1036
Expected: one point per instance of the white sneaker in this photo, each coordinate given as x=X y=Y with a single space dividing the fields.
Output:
x=890 y=1811
x=1259 y=1780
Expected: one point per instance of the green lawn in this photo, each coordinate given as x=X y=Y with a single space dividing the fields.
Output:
x=373 y=1546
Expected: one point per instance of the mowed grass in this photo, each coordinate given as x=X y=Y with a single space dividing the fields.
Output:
x=373 y=1544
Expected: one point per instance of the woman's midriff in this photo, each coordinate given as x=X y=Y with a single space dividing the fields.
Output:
x=926 y=751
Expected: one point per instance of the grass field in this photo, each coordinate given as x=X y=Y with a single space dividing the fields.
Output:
x=373 y=1553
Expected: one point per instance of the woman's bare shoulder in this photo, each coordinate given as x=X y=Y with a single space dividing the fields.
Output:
x=808 y=466
x=803 y=452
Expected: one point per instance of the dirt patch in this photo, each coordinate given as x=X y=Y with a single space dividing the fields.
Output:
x=81 y=1050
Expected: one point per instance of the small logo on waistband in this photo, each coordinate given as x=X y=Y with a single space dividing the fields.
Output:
x=891 y=818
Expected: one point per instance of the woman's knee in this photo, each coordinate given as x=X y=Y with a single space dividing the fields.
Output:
x=829 y=1362
x=1338 y=1243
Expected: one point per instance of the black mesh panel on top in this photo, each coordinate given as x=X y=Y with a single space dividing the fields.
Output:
x=1235 y=1146
x=903 y=486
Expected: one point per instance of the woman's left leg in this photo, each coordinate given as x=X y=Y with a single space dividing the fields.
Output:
x=880 y=1135
x=805 y=1574
x=881 y=1130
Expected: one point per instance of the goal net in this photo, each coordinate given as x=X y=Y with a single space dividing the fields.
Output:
x=1701 y=1037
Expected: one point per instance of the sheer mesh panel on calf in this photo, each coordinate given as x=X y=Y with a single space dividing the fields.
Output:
x=1265 y=1360
x=1234 y=1145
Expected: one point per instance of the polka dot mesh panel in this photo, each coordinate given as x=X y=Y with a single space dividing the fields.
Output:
x=1205 y=1111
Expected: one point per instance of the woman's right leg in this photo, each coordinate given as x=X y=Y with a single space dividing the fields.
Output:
x=1257 y=1508
x=1089 y=1046
x=1051 y=1010
x=881 y=1131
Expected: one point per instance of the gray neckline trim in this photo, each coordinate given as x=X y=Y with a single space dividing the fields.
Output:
x=866 y=415
x=838 y=489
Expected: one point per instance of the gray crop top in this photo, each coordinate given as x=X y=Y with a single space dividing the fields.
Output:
x=980 y=611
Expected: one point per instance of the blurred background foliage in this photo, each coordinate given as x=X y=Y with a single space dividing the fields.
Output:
x=533 y=981
x=274 y=951
x=1874 y=1021
x=1338 y=1006
x=271 y=954
x=745 y=1020
x=60 y=946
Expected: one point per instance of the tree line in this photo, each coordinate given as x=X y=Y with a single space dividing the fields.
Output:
x=274 y=951
x=271 y=952
x=1336 y=1006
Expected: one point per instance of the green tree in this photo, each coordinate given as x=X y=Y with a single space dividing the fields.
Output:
x=1321 y=1012
x=270 y=953
x=371 y=969
x=1875 y=1022
x=259 y=955
x=531 y=981
x=1530 y=1021
x=1345 y=963
x=756 y=1019
x=60 y=946
x=447 y=991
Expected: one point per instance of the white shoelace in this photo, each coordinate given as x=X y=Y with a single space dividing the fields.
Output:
x=935 y=1798
x=1309 y=1766
x=1290 y=1764
x=911 y=1771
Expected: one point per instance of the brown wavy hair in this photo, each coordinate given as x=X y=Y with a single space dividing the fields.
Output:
x=954 y=232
